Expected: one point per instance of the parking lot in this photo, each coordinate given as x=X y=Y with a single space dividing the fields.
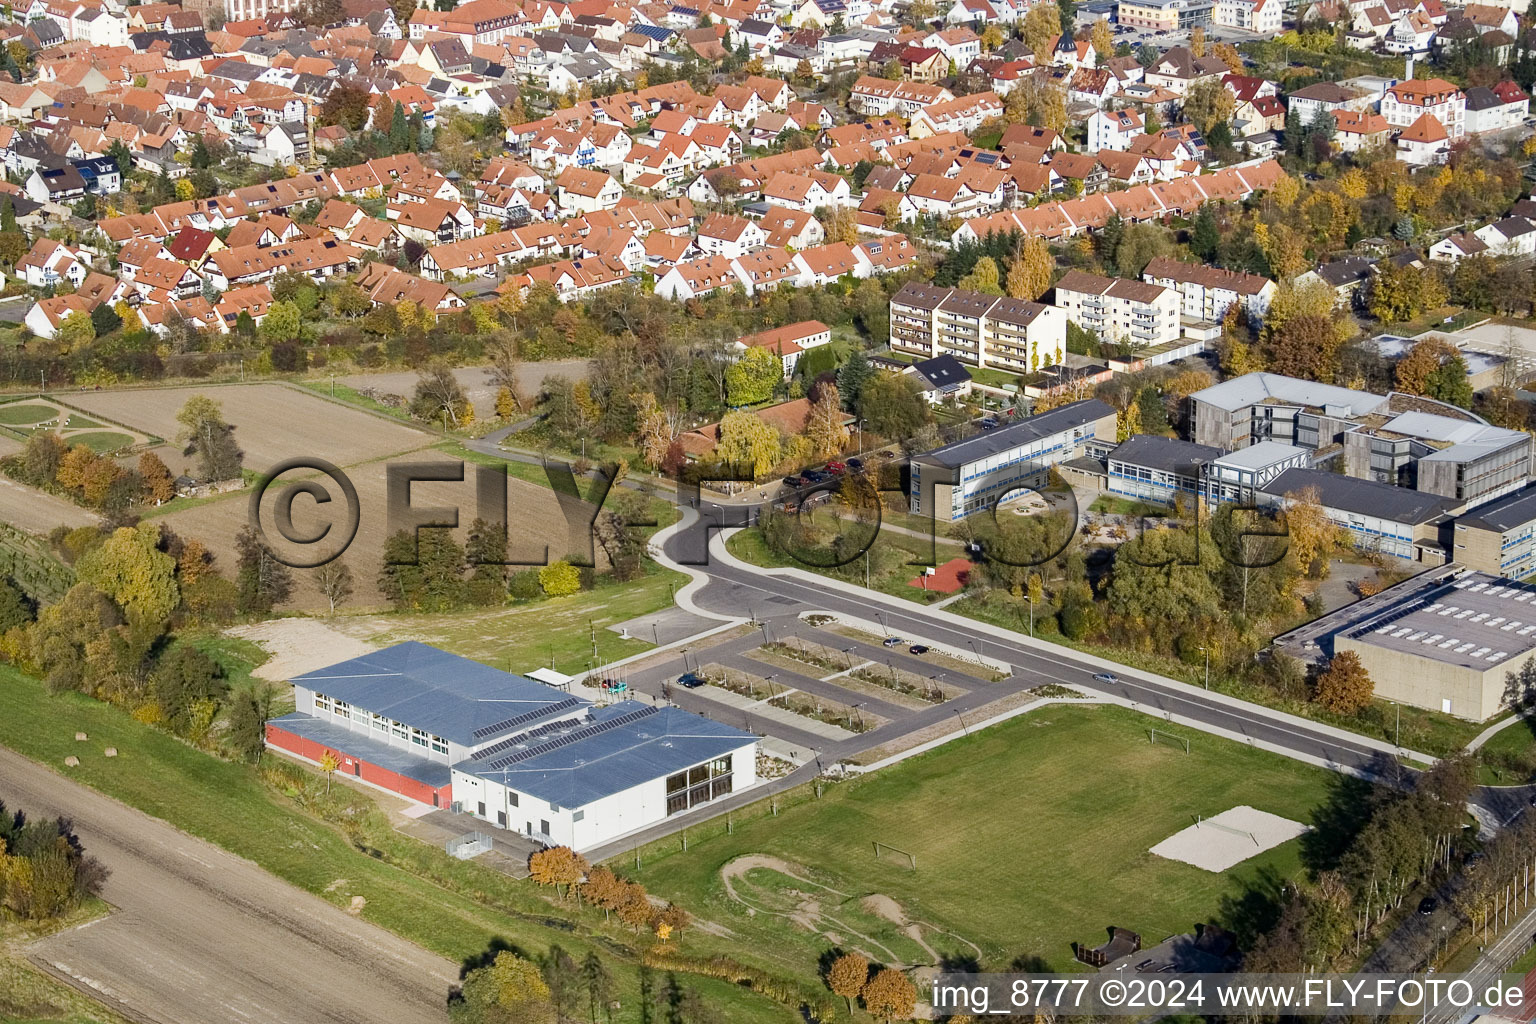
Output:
x=813 y=689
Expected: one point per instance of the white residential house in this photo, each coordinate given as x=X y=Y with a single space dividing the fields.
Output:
x=1262 y=17
x=1512 y=236
x=1497 y=109
x=1114 y=130
x=725 y=235
x=1405 y=103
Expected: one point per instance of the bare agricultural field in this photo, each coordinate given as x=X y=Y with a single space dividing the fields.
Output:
x=475 y=380
x=272 y=422
x=538 y=519
x=36 y=512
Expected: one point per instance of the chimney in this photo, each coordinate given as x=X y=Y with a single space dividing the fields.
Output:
x=1408 y=72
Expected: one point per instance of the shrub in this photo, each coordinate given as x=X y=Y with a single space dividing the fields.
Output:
x=559 y=579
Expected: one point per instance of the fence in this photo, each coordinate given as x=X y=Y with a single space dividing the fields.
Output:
x=470 y=844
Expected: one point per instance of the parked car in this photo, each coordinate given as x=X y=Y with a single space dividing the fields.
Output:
x=1428 y=905
x=989 y=423
x=794 y=481
x=918 y=649
x=892 y=641
x=815 y=476
x=836 y=468
x=1105 y=677
x=856 y=464
x=692 y=680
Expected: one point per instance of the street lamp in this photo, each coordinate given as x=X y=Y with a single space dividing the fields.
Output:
x=848 y=658
x=1207 y=652
x=1397 y=734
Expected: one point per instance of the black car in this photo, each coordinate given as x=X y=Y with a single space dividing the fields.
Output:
x=856 y=464
x=794 y=481
x=816 y=476
x=1427 y=906
x=989 y=423
x=692 y=680
x=918 y=649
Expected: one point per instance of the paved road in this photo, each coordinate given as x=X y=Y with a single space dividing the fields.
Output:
x=199 y=935
x=743 y=591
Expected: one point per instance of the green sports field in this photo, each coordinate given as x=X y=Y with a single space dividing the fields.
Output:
x=1027 y=836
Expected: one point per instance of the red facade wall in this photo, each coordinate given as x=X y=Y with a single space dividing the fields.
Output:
x=383 y=778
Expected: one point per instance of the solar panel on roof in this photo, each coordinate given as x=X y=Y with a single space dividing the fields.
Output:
x=575 y=735
x=527 y=716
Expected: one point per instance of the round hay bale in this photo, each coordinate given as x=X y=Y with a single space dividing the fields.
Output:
x=110 y=752
x=81 y=737
x=72 y=761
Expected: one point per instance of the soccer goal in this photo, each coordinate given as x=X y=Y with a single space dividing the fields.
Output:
x=885 y=849
x=1163 y=736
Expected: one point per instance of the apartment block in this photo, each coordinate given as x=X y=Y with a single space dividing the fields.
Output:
x=1208 y=292
x=978 y=329
x=1126 y=312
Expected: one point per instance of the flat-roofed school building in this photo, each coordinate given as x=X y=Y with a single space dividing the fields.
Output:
x=970 y=476
x=524 y=756
x=1450 y=647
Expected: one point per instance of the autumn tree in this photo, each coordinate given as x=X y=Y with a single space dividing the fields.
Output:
x=655 y=428
x=209 y=439
x=982 y=278
x=1399 y=293
x=1312 y=533
x=1042 y=25
x=76 y=329
x=752 y=378
x=329 y=763
x=1344 y=687
x=510 y=988
x=1411 y=375
x=559 y=579
x=1029 y=275
x=824 y=422
x=506 y=405
x=159 y=484
x=890 y=994
x=1102 y=39
x=130 y=569
x=745 y=439
x=1228 y=55
x=847 y=976
x=1197 y=41
x=1208 y=103
x=559 y=866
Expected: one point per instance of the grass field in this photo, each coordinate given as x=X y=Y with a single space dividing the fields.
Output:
x=228 y=805
x=1512 y=743
x=523 y=637
x=1027 y=836
x=24 y=414
x=101 y=440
